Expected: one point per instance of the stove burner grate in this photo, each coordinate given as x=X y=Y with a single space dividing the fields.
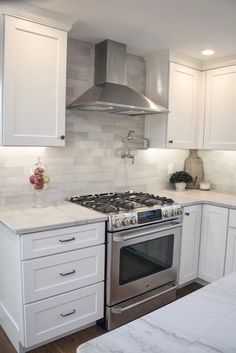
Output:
x=115 y=202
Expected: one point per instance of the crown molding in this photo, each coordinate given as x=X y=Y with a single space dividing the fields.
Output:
x=46 y=20
x=201 y=65
x=219 y=62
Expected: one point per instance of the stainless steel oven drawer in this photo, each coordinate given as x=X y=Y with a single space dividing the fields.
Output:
x=131 y=309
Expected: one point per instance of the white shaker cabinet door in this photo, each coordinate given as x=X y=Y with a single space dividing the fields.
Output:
x=49 y=318
x=183 y=106
x=213 y=243
x=34 y=83
x=190 y=243
x=220 y=108
x=230 y=260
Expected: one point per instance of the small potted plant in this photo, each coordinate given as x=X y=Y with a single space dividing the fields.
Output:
x=181 y=179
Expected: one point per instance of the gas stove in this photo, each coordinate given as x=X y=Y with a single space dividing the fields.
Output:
x=130 y=209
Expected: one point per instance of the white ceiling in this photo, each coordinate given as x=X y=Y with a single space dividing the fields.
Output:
x=146 y=26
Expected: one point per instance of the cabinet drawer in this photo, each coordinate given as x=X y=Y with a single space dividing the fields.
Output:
x=60 y=240
x=60 y=273
x=56 y=316
x=232 y=218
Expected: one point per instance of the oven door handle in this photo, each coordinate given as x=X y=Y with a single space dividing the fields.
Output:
x=121 y=310
x=128 y=237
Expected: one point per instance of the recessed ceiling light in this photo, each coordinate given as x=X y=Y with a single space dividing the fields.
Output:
x=208 y=52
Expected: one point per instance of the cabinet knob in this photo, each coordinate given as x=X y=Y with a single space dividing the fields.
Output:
x=62 y=137
x=170 y=141
x=187 y=214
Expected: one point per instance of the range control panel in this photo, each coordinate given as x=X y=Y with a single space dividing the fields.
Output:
x=134 y=219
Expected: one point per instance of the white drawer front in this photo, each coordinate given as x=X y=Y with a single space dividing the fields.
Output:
x=60 y=273
x=59 y=240
x=232 y=218
x=52 y=317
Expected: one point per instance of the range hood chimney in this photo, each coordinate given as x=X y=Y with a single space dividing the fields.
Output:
x=110 y=92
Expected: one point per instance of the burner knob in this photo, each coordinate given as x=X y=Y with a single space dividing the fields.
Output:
x=179 y=211
x=164 y=213
x=167 y=212
x=117 y=223
x=133 y=220
x=174 y=211
x=125 y=221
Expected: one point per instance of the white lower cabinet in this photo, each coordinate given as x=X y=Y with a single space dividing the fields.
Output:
x=213 y=243
x=56 y=282
x=52 y=317
x=61 y=240
x=190 y=243
x=230 y=259
x=52 y=275
x=62 y=291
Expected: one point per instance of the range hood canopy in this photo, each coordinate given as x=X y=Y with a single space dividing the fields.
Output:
x=109 y=92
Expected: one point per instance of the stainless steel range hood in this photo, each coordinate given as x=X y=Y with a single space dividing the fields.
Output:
x=109 y=92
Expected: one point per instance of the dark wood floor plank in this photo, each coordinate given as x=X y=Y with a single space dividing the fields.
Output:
x=70 y=343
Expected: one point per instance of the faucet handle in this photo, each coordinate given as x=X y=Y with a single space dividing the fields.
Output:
x=130 y=133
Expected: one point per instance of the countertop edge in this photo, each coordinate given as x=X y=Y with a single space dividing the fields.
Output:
x=24 y=231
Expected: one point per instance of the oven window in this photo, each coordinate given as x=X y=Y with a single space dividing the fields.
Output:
x=146 y=258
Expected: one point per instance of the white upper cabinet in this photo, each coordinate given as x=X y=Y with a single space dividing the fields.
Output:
x=183 y=107
x=176 y=87
x=201 y=102
x=33 y=83
x=220 y=109
x=213 y=243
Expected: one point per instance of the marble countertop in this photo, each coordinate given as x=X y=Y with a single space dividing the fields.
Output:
x=202 y=322
x=189 y=197
x=26 y=219
x=23 y=220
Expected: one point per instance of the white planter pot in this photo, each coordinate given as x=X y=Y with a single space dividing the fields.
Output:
x=180 y=186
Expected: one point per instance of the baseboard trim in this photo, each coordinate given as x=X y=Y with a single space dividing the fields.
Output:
x=202 y=282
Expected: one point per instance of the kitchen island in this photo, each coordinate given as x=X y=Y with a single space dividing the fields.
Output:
x=204 y=321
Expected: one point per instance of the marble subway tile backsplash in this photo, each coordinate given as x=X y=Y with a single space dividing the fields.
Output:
x=91 y=161
x=219 y=168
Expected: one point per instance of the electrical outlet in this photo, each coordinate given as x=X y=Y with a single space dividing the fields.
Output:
x=171 y=168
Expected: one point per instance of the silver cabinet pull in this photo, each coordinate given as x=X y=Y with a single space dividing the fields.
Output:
x=68 y=314
x=66 y=240
x=67 y=273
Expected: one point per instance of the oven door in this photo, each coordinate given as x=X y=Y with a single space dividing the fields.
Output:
x=142 y=259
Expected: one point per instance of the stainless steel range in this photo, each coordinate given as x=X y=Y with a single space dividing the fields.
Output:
x=143 y=248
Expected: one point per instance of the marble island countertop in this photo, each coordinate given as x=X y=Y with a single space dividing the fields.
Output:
x=23 y=220
x=202 y=322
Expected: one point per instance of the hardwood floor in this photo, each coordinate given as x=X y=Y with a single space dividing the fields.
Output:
x=70 y=343
x=63 y=345
x=188 y=289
